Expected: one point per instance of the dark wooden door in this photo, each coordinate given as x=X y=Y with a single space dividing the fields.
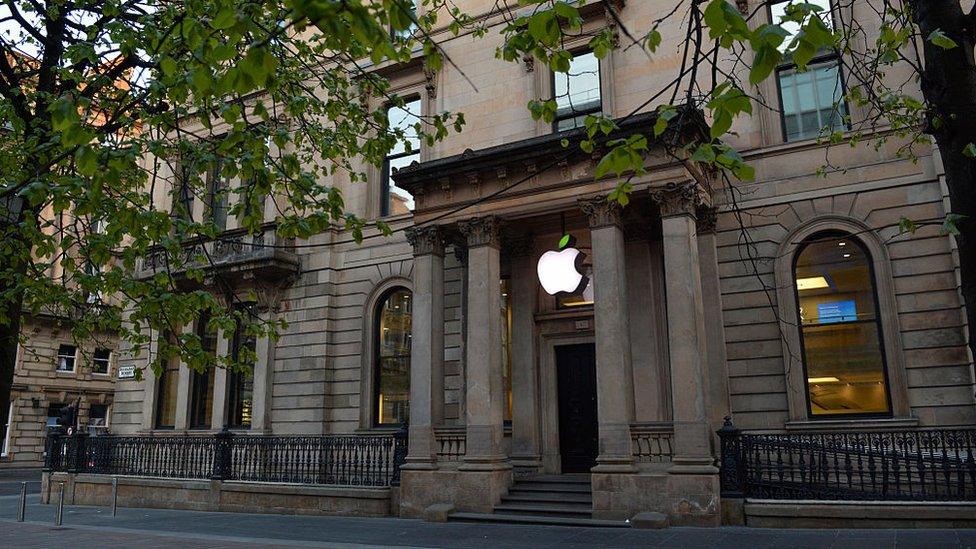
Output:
x=576 y=382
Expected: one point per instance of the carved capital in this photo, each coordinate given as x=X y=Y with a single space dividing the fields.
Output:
x=426 y=240
x=676 y=199
x=430 y=77
x=601 y=212
x=707 y=217
x=481 y=231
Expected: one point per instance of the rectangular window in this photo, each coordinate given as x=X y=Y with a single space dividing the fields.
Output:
x=217 y=198
x=53 y=414
x=101 y=361
x=241 y=394
x=166 y=393
x=201 y=398
x=66 y=358
x=5 y=435
x=577 y=92
x=812 y=102
x=98 y=419
x=393 y=199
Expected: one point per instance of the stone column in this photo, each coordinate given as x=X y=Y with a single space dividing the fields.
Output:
x=183 y=390
x=526 y=456
x=484 y=392
x=717 y=373
x=686 y=329
x=426 y=346
x=221 y=375
x=614 y=370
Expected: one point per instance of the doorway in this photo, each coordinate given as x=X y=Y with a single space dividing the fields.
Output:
x=576 y=389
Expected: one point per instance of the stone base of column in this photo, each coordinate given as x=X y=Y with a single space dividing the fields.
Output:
x=614 y=464
x=485 y=463
x=526 y=465
x=418 y=464
x=691 y=500
x=469 y=491
x=692 y=466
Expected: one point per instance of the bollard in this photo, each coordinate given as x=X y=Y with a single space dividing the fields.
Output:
x=23 y=502
x=115 y=495
x=57 y=520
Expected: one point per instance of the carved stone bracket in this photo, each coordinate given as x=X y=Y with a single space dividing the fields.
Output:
x=430 y=76
x=676 y=199
x=426 y=240
x=707 y=217
x=529 y=61
x=481 y=231
x=601 y=212
x=743 y=6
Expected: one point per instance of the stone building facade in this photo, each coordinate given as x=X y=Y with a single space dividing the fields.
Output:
x=53 y=371
x=703 y=301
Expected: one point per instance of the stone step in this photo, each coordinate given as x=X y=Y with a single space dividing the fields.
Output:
x=551 y=487
x=559 y=479
x=535 y=519
x=553 y=497
x=545 y=509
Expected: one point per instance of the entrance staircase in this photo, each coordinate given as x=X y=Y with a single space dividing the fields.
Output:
x=561 y=500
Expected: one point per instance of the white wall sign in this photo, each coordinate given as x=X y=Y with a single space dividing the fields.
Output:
x=127 y=371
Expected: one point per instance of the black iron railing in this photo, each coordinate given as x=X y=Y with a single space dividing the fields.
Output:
x=348 y=460
x=920 y=465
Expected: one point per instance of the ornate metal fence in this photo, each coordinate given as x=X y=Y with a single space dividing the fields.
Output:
x=348 y=460
x=921 y=465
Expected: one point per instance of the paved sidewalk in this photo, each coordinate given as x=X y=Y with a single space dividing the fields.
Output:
x=93 y=527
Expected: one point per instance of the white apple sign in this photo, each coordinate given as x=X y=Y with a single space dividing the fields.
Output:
x=559 y=271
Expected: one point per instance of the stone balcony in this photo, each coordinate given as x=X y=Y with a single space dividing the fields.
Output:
x=262 y=257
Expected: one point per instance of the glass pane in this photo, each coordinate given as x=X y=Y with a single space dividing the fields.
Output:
x=777 y=11
x=579 y=89
x=242 y=382
x=812 y=101
x=393 y=376
x=400 y=201
x=507 y=347
x=166 y=407
x=841 y=342
x=404 y=118
x=406 y=33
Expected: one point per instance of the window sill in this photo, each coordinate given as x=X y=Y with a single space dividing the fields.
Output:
x=866 y=424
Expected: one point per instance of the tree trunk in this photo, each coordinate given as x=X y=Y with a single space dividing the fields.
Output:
x=949 y=88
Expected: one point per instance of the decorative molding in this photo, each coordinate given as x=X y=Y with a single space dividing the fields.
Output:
x=426 y=240
x=707 y=218
x=601 y=212
x=481 y=231
x=529 y=61
x=676 y=199
x=743 y=6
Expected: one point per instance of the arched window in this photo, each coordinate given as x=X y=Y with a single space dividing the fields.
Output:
x=392 y=382
x=840 y=328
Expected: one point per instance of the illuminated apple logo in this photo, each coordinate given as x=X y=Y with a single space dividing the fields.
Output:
x=559 y=271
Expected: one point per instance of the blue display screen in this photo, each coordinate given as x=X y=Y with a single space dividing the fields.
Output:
x=837 y=311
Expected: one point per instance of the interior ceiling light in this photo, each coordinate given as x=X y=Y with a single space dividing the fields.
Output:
x=826 y=379
x=812 y=283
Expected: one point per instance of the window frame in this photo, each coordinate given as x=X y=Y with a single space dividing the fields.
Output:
x=172 y=367
x=235 y=383
x=820 y=58
x=386 y=205
x=197 y=410
x=73 y=356
x=878 y=323
x=107 y=360
x=377 y=357
x=599 y=109
x=5 y=441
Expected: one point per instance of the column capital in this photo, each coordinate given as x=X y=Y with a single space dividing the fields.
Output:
x=707 y=217
x=481 y=231
x=601 y=212
x=676 y=199
x=426 y=240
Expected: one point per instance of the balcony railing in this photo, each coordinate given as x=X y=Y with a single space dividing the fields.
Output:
x=651 y=442
x=922 y=465
x=345 y=460
x=263 y=253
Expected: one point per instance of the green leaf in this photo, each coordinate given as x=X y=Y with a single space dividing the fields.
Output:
x=225 y=18
x=564 y=241
x=86 y=160
x=970 y=150
x=940 y=39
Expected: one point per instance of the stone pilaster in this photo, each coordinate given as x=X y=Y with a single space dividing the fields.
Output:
x=686 y=328
x=427 y=345
x=614 y=369
x=526 y=452
x=717 y=373
x=484 y=392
